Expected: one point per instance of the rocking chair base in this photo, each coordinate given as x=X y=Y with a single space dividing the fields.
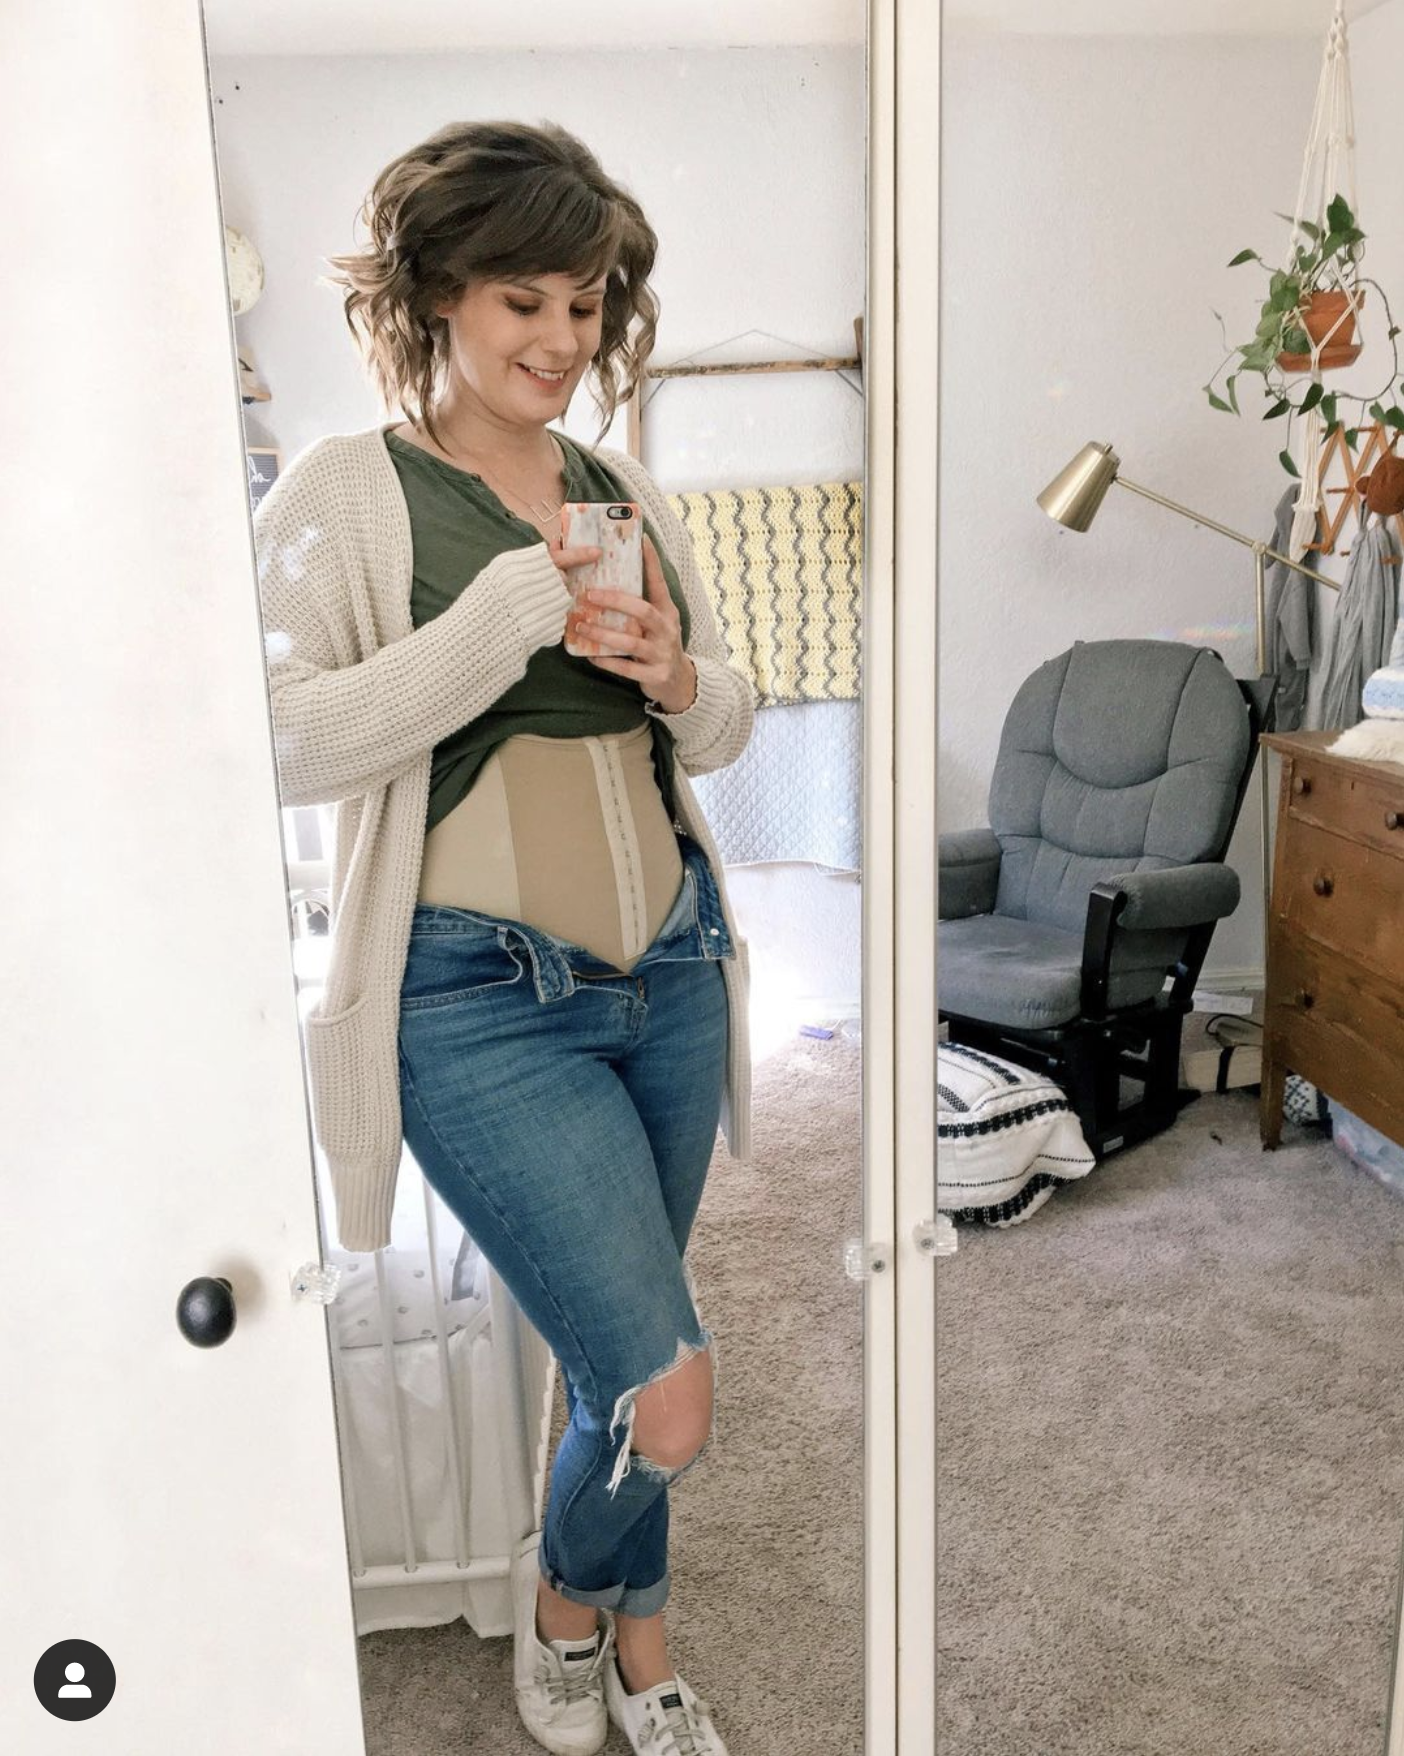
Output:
x=1090 y=1058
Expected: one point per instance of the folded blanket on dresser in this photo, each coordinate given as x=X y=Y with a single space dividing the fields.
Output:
x=1379 y=737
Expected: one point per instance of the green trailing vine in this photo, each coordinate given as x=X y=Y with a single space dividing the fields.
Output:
x=1338 y=246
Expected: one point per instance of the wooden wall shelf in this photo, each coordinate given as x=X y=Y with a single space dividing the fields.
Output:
x=727 y=368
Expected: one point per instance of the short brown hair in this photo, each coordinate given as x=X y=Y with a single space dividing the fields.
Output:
x=485 y=200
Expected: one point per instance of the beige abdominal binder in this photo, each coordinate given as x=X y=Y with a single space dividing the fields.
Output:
x=570 y=835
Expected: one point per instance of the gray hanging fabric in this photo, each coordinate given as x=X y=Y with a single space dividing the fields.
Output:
x=1290 y=621
x=1363 y=626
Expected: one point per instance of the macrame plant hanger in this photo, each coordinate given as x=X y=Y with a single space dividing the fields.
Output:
x=1328 y=169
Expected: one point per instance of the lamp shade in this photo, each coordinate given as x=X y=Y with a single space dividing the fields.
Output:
x=1075 y=493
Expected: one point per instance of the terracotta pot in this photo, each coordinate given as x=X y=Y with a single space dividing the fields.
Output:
x=1319 y=314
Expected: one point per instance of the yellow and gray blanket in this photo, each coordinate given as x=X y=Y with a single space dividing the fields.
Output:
x=785 y=568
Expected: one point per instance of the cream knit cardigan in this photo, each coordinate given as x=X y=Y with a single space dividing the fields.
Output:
x=359 y=699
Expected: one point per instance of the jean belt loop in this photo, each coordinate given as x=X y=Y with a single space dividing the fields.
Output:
x=549 y=970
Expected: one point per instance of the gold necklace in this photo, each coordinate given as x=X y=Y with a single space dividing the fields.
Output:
x=542 y=511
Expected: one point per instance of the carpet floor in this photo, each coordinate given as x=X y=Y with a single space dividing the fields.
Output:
x=1170 y=1436
x=765 y=1619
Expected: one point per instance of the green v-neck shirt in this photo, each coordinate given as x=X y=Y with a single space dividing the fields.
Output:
x=458 y=525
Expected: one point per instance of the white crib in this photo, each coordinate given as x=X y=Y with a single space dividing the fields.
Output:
x=443 y=1392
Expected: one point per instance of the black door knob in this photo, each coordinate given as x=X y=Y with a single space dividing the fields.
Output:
x=205 y=1311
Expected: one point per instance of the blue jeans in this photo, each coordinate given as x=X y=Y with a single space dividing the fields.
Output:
x=567 y=1113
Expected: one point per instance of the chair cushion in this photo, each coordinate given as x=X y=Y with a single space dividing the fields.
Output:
x=1029 y=976
x=1116 y=756
x=1006 y=1138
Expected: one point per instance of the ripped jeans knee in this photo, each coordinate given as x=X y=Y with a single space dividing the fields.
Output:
x=625 y=1409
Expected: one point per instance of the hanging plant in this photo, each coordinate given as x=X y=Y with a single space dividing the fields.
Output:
x=1307 y=326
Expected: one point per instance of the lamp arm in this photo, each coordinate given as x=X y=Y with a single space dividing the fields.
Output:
x=1224 y=531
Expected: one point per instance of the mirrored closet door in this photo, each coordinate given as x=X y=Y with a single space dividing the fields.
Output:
x=1171 y=1425
x=362 y=1521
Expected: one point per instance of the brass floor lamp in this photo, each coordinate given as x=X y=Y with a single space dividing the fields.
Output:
x=1073 y=497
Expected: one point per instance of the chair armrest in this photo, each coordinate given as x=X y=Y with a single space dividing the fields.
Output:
x=1180 y=896
x=967 y=877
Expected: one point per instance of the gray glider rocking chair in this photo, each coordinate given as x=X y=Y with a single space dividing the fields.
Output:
x=1073 y=930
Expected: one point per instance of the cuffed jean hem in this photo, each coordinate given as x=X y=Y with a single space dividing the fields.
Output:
x=627 y=1600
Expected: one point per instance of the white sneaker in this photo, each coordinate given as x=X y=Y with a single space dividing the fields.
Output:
x=560 y=1683
x=667 y=1720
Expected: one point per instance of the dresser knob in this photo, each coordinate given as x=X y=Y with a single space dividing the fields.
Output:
x=1323 y=886
x=1301 y=786
x=1306 y=1001
x=1393 y=819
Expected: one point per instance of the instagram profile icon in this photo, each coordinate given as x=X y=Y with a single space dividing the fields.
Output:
x=74 y=1679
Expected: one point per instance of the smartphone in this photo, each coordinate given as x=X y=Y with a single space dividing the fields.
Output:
x=615 y=527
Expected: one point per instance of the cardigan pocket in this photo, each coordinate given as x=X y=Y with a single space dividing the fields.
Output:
x=355 y=1091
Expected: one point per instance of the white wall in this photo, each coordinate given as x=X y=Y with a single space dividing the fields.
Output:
x=751 y=166
x=1377 y=54
x=1094 y=189
x=749 y=163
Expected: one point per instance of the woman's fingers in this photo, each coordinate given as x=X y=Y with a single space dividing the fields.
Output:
x=642 y=611
x=565 y=559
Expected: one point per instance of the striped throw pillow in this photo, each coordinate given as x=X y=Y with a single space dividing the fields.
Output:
x=1006 y=1137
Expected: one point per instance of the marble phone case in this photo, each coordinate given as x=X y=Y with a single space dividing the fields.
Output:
x=588 y=524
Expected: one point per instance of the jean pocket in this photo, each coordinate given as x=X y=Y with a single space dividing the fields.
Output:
x=443 y=969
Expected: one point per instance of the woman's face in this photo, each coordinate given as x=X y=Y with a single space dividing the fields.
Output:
x=505 y=333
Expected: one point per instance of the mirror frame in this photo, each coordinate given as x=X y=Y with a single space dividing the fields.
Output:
x=899 y=874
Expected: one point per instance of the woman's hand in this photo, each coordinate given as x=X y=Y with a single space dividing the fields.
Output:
x=650 y=649
x=565 y=559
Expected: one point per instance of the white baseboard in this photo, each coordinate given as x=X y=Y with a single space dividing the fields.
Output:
x=1247 y=979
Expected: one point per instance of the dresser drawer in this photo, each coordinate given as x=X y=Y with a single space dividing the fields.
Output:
x=1339 y=1026
x=1329 y=796
x=1344 y=894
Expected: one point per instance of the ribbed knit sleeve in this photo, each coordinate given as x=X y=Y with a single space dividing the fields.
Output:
x=717 y=727
x=344 y=724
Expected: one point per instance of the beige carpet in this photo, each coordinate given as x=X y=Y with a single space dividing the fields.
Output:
x=766 y=1614
x=1171 y=1456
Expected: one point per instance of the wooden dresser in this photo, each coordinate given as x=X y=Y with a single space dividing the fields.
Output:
x=1334 y=1007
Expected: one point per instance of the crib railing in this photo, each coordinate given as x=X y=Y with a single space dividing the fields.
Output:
x=523 y=1380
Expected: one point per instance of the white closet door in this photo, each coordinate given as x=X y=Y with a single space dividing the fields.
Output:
x=176 y=1506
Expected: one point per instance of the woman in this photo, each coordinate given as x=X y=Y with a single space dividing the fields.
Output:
x=536 y=978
